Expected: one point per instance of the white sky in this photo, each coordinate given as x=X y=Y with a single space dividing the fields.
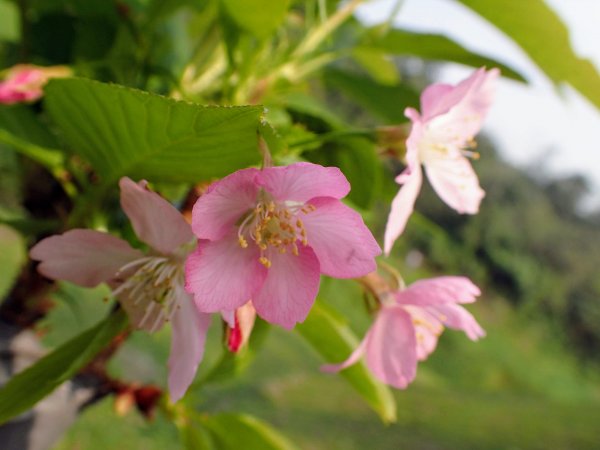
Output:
x=534 y=125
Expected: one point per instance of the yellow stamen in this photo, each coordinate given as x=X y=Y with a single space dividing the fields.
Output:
x=264 y=261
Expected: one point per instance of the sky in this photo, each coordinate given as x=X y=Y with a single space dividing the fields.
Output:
x=535 y=125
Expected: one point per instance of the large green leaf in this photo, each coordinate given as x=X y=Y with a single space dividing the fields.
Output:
x=259 y=17
x=540 y=32
x=34 y=383
x=334 y=340
x=12 y=257
x=435 y=47
x=123 y=131
x=237 y=431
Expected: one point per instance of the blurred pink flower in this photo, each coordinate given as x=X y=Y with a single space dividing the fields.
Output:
x=24 y=82
x=451 y=117
x=408 y=325
x=150 y=287
x=267 y=235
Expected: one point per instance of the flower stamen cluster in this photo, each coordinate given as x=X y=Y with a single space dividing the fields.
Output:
x=151 y=283
x=275 y=224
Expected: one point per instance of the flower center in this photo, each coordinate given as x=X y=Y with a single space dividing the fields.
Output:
x=150 y=290
x=437 y=145
x=274 y=224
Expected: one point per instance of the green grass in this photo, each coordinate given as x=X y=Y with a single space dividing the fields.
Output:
x=518 y=388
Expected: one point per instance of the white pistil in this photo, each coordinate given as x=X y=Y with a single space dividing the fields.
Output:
x=150 y=289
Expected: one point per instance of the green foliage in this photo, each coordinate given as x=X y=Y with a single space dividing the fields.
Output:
x=259 y=17
x=357 y=159
x=233 y=364
x=539 y=31
x=34 y=383
x=433 y=47
x=12 y=257
x=235 y=431
x=386 y=102
x=334 y=340
x=122 y=131
x=10 y=29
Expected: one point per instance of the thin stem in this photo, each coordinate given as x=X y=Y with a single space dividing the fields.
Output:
x=393 y=13
x=314 y=39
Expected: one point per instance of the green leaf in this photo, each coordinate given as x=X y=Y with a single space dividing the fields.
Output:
x=273 y=139
x=12 y=257
x=232 y=364
x=356 y=158
x=385 y=101
x=378 y=64
x=239 y=431
x=540 y=32
x=22 y=130
x=50 y=158
x=334 y=340
x=435 y=47
x=194 y=436
x=23 y=123
x=310 y=106
x=34 y=383
x=10 y=24
x=259 y=17
x=123 y=131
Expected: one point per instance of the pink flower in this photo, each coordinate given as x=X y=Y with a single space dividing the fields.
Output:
x=408 y=324
x=267 y=235
x=149 y=286
x=24 y=82
x=451 y=117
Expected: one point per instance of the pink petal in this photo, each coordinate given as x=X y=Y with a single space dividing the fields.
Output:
x=24 y=83
x=155 y=220
x=222 y=275
x=438 y=291
x=352 y=359
x=402 y=207
x=457 y=317
x=471 y=97
x=187 y=346
x=460 y=113
x=434 y=100
x=455 y=181
x=302 y=181
x=427 y=330
x=83 y=257
x=391 y=347
x=413 y=161
x=340 y=239
x=290 y=288
x=229 y=317
x=224 y=203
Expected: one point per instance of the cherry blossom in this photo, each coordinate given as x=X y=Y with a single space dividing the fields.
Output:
x=267 y=235
x=439 y=139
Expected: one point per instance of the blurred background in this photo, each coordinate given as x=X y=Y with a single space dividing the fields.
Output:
x=534 y=248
